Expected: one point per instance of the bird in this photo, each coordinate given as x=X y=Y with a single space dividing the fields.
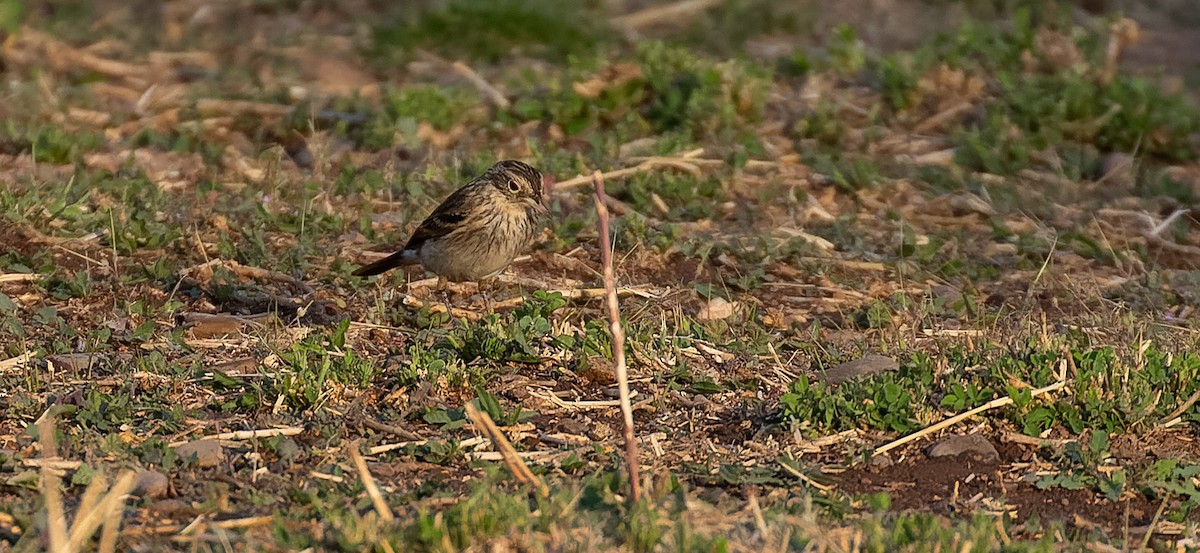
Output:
x=477 y=231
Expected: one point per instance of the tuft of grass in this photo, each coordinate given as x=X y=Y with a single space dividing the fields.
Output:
x=1106 y=394
x=47 y=143
x=725 y=29
x=666 y=90
x=492 y=31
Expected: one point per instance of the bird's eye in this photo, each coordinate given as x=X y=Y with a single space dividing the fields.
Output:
x=513 y=186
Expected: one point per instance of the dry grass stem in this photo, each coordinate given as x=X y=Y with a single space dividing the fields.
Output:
x=581 y=404
x=230 y=524
x=394 y=430
x=1153 y=522
x=1183 y=407
x=108 y=512
x=691 y=164
x=649 y=163
x=480 y=83
x=673 y=12
x=18 y=362
x=943 y=117
x=848 y=264
x=384 y=448
x=214 y=106
x=18 y=277
x=1174 y=216
x=204 y=271
x=792 y=471
x=53 y=464
x=512 y=459
x=826 y=441
x=50 y=484
x=1016 y=438
x=381 y=506
x=98 y=506
x=998 y=402
x=252 y=434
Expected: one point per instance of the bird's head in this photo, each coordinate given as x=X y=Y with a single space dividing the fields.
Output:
x=517 y=180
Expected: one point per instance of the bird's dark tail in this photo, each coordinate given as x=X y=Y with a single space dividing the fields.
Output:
x=400 y=258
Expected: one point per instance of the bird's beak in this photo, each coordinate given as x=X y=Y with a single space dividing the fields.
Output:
x=547 y=188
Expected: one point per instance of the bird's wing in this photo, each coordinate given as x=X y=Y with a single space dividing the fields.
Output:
x=448 y=216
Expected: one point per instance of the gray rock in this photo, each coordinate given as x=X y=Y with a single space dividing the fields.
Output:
x=974 y=445
x=966 y=203
x=287 y=449
x=171 y=508
x=204 y=453
x=600 y=432
x=573 y=426
x=716 y=309
x=869 y=365
x=77 y=362
x=949 y=295
x=152 y=484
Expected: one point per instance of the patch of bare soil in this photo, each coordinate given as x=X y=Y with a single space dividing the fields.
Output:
x=966 y=484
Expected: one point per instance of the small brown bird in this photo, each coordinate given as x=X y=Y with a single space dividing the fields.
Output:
x=478 y=230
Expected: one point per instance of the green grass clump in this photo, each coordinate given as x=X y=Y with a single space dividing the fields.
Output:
x=312 y=365
x=397 y=118
x=491 y=31
x=1038 y=108
x=466 y=355
x=685 y=92
x=129 y=209
x=1030 y=104
x=48 y=143
x=1111 y=392
x=888 y=402
x=593 y=514
x=666 y=90
x=441 y=107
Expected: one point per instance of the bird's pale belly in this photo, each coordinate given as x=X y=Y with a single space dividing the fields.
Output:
x=465 y=262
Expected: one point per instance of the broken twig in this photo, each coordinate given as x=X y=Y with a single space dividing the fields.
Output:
x=512 y=459
x=648 y=164
x=381 y=506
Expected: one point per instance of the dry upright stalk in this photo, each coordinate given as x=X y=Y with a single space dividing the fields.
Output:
x=618 y=337
x=99 y=506
x=51 y=487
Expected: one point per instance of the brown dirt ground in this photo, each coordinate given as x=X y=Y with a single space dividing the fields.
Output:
x=728 y=427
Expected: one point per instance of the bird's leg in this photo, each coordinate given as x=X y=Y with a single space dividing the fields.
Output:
x=444 y=287
x=485 y=289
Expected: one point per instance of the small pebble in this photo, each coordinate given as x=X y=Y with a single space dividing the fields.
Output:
x=715 y=309
x=152 y=484
x=869 y=365
x=972 y=444
x=204 y=453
